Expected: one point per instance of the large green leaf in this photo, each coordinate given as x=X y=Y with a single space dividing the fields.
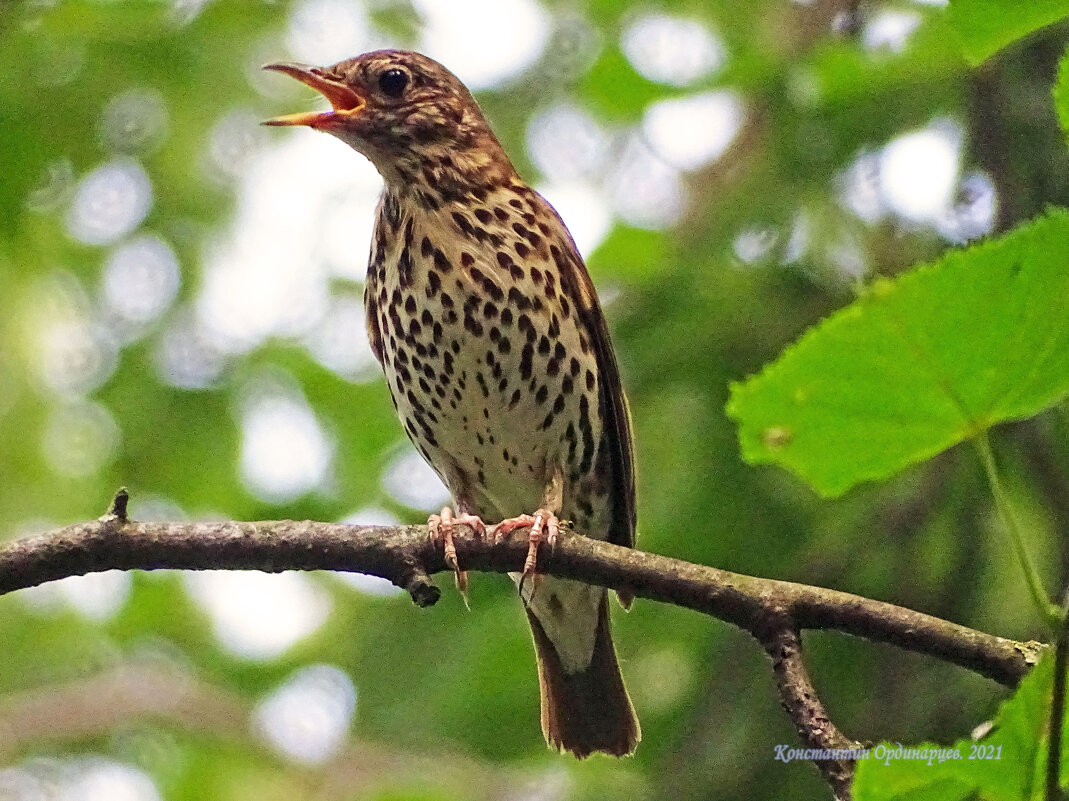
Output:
x=986 y=26
x=918 y=364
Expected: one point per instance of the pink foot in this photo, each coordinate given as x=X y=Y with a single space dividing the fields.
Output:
x=440 y=529
x=542 y=523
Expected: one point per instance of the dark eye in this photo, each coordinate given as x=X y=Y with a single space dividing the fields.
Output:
x=393 y=82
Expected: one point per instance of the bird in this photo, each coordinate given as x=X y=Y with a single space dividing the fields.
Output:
x=490 y=334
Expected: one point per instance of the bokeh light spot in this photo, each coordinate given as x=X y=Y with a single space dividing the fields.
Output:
x=109 y=202
x=690 y=132
x=485 y=42
x=340 y=342
x=307 y=717
x=565 y=142
x=134 y=121
x=584 y=209
x=186 y=356
x=95 y=596
x=573 y=45
x=859 y=188
x=259 y=615
x=80 y=438
x=104 y=780
x=75 y=353
x=672 y=50
x=754 y=244
x=799 y=238
x=141 y=279
x=325 y=31
x=646 y=191
x=919 y=171
x=269 y=275
x=411 y=481
x=889 y=29
x=235 y=138
x=284 y=450
x=76 y=356
x=848 y=257
x=974 y=212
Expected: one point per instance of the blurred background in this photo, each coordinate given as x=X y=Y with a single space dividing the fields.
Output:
x=180 y=313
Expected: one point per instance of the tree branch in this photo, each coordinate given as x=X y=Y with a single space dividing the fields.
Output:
x=773 y=611
x=801 y=703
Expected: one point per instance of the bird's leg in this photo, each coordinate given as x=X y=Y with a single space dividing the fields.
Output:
x=440 y=529
x=544 y=525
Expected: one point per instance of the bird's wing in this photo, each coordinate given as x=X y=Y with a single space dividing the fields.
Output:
x=575 y=280
x=373 y=280
x=371 y=318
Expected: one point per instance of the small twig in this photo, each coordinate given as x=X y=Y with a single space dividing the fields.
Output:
x=1057 y=708
x=117 y=509
x=1048 y=612
x=800 y=701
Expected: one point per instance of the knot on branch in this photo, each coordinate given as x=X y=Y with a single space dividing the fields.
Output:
x=417 y=583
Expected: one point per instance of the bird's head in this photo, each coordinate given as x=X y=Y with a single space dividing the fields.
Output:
x=407 y=113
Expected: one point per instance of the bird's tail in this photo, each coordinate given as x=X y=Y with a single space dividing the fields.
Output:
x=589 y=710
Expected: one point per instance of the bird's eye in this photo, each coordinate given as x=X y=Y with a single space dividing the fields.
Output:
x=393 y=82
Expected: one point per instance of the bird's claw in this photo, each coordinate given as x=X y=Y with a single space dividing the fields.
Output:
x=544 y=526
x=440 y=530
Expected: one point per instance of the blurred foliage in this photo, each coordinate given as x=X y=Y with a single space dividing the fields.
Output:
x=1008 y=763
x=446 y=703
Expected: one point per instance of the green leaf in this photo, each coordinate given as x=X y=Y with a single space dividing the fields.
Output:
x=986 y=26
x=918 y=364
x=1061 y=94
x=1006 y=765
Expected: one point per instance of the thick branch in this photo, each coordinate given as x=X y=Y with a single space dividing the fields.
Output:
x=404 y=555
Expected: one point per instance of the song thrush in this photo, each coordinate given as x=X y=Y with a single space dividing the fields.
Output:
x=497 y=356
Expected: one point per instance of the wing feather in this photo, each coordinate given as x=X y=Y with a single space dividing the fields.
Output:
x=371 y=319
x=616 y=416
x=373 y=279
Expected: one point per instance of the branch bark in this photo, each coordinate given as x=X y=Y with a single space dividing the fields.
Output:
x=772 y=611
x=405 y=556
x=800 y=701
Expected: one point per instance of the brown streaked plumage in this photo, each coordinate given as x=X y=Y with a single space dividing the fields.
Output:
x=498 y=358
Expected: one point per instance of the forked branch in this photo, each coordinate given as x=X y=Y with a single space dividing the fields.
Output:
x=773 y=611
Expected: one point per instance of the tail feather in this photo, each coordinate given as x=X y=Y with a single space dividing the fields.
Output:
x=589 y=710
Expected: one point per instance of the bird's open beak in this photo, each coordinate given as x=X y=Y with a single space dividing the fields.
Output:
x=344 y=100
